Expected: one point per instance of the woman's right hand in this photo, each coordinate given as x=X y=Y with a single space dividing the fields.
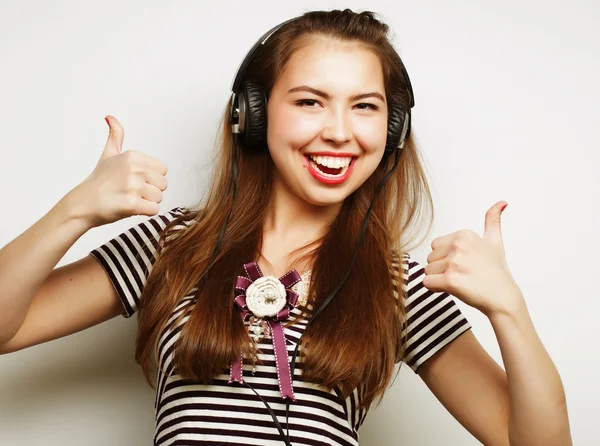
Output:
x=122 y=184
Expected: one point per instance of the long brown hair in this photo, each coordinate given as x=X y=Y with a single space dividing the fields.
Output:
x=364 y=320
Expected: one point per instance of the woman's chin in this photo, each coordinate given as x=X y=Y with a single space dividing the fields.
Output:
x=326 y=198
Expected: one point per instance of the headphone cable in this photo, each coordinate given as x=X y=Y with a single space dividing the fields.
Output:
x=234 y=168
x=330 y=297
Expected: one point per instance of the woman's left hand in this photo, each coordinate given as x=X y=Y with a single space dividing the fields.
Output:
x=474 y=268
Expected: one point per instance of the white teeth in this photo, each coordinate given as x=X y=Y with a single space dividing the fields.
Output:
x=333 y=162
x=316 y=166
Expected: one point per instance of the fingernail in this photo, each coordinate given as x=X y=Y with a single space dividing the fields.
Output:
x=106 y=119
x=503 y=207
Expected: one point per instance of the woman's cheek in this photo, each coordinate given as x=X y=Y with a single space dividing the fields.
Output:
x=303 y=127
x=371 y=134
x=294 y=127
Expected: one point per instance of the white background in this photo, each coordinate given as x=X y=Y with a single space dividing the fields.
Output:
x=507 y=100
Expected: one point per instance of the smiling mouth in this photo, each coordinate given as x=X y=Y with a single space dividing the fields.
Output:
x=330 y=170
x=330 y=166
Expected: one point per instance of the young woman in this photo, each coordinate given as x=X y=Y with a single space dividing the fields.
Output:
x=278 y=309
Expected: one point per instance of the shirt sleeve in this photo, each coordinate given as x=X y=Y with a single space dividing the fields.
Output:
x=433 y=319
x=128 y=257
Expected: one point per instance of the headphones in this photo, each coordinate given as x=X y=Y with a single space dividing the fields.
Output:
x=248 y=111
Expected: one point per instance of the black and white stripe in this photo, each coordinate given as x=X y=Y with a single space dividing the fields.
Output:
x=190 y=413
x=128 y=258
x=433 y=319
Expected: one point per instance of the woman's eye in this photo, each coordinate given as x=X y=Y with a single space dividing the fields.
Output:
x=308 y=102
x=311 y=103
x=366 y=105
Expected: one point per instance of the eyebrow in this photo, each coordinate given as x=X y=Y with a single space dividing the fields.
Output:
x=327 y=96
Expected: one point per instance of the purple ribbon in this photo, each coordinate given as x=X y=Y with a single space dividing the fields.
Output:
x=288 y=280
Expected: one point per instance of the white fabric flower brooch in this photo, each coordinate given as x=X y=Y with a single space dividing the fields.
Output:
x=266 y=296
x=270 y=299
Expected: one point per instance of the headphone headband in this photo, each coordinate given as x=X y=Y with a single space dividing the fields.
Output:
x=242 y=68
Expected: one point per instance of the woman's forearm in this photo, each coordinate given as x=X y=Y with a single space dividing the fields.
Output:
x=26 y=262
x=538 y=410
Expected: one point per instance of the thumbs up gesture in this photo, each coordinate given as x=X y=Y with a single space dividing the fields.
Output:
x=122 y=184
x=474 y=268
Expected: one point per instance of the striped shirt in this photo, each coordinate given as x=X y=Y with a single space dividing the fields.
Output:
x=221 y=413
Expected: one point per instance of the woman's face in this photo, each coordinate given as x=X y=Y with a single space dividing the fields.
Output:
x=327 y=121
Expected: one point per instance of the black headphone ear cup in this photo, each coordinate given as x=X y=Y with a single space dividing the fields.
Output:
x=395 y=126
x=254 y=136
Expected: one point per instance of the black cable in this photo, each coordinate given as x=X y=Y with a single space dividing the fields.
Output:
x=279 y=428
x=331 y=296
x=234 y=171
x=234 y=168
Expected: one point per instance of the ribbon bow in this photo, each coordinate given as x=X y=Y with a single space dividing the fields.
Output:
x=271 y=299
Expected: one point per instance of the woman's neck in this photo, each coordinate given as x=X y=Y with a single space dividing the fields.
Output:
x=291 y=223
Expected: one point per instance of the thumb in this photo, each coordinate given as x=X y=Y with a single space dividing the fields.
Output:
x=493 y=228
x=114 y=143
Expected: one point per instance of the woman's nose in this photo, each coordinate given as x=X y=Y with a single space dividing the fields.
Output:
x=337 y=127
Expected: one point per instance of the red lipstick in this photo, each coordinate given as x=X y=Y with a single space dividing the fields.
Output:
x=319 y=176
